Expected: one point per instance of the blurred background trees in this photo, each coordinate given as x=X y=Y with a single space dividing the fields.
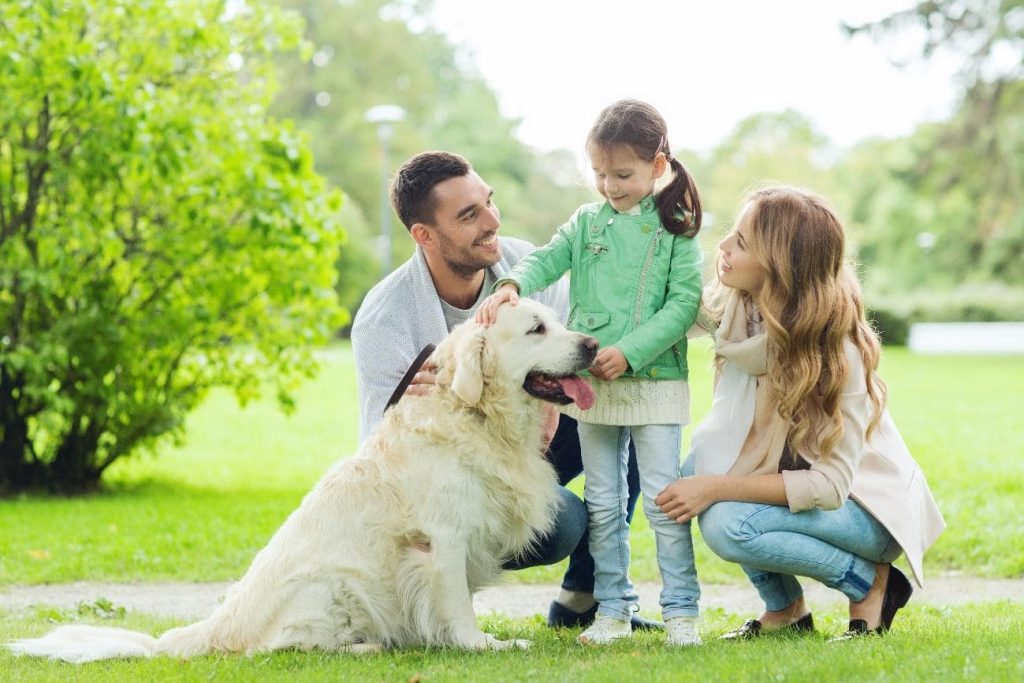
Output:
x=936 y=218
x=171 y=178
x=371 y=52
x=954 y=189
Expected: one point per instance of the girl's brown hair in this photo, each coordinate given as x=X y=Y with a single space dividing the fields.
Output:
x=640 y=126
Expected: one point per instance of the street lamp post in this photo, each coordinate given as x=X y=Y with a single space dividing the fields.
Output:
x=385 y=115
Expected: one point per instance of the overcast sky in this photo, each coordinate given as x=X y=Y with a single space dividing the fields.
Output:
x=705 y=65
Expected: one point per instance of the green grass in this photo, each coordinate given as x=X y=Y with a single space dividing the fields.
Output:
x=973 y=643
x=200 y=512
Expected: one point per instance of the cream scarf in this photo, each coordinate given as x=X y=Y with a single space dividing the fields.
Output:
x=739 y=403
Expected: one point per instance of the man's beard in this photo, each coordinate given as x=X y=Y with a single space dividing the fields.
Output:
x=464 y=265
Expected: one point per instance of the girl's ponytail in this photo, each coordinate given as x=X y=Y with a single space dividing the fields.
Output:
x=679 y=201
x=640 y=126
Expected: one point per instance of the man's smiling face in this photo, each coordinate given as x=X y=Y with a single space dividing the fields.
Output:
x=466 y=223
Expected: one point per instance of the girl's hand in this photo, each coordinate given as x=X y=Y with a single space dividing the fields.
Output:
x=488 y=311
x=609 y=364
x=685 y=498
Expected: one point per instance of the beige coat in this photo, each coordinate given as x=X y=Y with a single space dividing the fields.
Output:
x=879 y=473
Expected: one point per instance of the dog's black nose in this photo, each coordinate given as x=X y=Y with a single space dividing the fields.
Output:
x=590 y=345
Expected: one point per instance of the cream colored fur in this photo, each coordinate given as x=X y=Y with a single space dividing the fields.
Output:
x=388 y=548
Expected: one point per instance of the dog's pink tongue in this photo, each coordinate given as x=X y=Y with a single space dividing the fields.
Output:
x=578 y=390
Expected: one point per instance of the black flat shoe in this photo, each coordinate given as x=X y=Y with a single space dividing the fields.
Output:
x=641 y=624
x=897 y=593
x=752 y=628
x=560 y=616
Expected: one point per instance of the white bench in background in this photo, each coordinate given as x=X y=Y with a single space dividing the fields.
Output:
x=979 y=338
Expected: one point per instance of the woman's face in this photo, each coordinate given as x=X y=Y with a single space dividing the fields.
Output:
x=737 y=266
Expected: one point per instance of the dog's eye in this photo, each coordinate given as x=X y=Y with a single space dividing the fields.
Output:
x=537 y=329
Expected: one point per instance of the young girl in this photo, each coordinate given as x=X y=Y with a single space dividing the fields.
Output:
x=635 y=286
x=813 y=477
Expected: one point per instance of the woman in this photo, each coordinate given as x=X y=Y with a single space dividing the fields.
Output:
x=799 y=467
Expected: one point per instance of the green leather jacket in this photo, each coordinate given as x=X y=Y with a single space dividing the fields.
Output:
x=633 y=284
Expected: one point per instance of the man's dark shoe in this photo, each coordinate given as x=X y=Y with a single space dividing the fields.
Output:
x=641 y=624
x=560 y=616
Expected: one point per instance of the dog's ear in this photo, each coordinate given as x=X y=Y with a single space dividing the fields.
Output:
x=468 y=377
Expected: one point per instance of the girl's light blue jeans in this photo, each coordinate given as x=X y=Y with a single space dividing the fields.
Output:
x=604 y=449
x=838 y=547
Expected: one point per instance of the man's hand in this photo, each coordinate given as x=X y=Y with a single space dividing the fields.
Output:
x=685 y=498
x=609 y=364
x=423 y=381
x=488 y=311
x=548 y=427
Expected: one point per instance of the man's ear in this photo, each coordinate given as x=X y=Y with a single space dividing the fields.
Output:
x=470 y=366
x=422 y=234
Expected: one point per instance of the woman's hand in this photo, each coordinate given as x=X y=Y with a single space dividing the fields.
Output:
x=488 y=311
x=609 y=364
x=685 y=498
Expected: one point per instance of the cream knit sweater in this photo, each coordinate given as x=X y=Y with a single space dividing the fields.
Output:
x=631 y=401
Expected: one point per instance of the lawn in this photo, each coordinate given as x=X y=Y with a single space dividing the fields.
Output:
x=200 y=511
x=929 y=644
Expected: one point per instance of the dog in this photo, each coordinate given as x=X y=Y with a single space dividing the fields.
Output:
x=388 y=548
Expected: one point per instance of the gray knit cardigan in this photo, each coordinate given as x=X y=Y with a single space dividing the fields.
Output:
x=402 y=314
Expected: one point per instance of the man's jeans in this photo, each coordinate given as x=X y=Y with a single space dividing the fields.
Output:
x=569 y=536
x=604 y=458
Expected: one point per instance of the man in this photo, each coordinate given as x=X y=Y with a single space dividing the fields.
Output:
x=450 y=213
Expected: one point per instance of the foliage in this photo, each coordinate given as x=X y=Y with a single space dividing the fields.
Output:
x=946 y=205
x=371 y=52
x=770 y=147
x=159 y=234
x=893 y=315
x=893 y=327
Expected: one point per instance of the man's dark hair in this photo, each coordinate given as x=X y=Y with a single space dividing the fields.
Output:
x=412 y=189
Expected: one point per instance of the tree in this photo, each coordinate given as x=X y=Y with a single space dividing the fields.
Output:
x=371 y=52
x=773 y=147
x=159 y=234
x=957 y=188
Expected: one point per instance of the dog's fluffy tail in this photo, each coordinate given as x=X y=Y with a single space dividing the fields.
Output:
x=86 y=644
x=81 y=644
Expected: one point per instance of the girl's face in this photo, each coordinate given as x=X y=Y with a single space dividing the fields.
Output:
x=622 y=177
x=737 y=266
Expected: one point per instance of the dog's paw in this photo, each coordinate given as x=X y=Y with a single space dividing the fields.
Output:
x=513 y=644
x=362 y=648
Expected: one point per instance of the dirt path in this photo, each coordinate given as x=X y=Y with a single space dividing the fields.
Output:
x=195 y=600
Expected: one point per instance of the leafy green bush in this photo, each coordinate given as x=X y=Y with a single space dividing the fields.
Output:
x=159 y=234
x=892 y=327
x=893 y=315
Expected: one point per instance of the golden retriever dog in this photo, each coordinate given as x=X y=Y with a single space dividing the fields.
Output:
x=389 y=547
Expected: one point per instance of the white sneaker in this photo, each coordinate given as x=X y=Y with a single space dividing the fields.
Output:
x=682 y=632
x=605 y=630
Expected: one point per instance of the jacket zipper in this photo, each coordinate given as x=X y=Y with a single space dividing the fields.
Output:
x=596 y=250
x=641 y=288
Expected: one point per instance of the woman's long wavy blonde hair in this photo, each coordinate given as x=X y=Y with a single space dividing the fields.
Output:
x=811 y=303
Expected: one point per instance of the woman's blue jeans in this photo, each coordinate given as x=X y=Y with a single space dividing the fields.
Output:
x=605 y=449
x=838 y=547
